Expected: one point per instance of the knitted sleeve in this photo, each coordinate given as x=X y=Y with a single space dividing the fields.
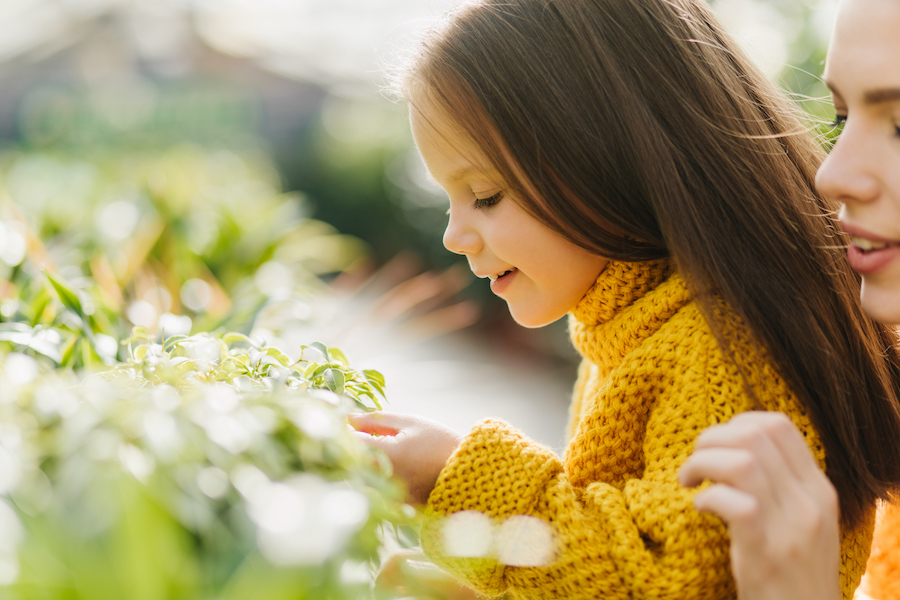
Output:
x=643 y=540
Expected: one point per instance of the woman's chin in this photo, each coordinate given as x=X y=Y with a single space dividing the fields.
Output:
x=881 y=304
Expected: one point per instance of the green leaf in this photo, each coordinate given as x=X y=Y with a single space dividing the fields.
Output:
x=310 y=369
x=370 y=396
x=378 y=389
x=68 y=351
x=339 y=356
x=139 y=333
x=373 y=376
x=68 y=297
x=23 y=335
x=334 y=379
x=15 y=332
x=278 y=355
x=71 y=301
x=234 y=337
x=322 y=349
x=173 y=341
x=39 y=305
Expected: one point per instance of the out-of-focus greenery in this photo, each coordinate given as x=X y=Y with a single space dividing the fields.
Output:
x=204 y=466
x=206 y=234
x=153 y=441
x=357 y=163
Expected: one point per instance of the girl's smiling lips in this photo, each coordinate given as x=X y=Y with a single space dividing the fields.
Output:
x=499 y=275
x=500 y=281
x=868 y=253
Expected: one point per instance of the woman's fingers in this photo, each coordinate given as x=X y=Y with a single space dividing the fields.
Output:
x=771 y=449
x=753 y=429
x=736 y=467
x=780 y=508
x=739 y=509
x=791 y=443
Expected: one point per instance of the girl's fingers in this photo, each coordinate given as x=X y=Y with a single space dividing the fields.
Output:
x=375 y=423
x=410 y=574
x=418 y=448
x=376 y=441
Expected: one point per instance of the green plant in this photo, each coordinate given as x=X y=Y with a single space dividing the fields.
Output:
x=152 y=446
x=202 y=466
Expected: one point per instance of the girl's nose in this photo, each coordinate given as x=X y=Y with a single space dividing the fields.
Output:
x=850 y=172
x=461 y=237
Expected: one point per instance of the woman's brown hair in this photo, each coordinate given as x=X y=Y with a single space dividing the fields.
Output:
x=637 y=129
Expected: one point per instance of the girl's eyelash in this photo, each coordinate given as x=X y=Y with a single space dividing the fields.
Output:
x=489 y=201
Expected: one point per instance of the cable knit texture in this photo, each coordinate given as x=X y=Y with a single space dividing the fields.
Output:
x=652 y=378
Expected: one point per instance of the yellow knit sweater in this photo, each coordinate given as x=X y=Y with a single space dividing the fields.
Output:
x=653 y=377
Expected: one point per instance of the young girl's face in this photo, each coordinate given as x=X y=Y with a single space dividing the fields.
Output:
x=540 y=274
x=863 y=170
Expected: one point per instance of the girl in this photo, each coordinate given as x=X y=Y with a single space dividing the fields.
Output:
x=621 y=161
x=862 y=173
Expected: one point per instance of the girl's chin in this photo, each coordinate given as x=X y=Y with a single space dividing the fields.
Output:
x=531 y=320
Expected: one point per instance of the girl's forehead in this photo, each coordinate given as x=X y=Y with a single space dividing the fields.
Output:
x=449 y=153
x=426 y=112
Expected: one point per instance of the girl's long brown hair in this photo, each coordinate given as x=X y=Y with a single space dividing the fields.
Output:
x=637 y=129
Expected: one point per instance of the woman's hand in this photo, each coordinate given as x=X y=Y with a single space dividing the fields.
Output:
x=417 y=447
x=781 y=510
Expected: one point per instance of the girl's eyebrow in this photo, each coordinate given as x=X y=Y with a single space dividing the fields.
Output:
x=455 y=176
x=462 y=173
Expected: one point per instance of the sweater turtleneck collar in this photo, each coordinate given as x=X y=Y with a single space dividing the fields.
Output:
x=627 y=304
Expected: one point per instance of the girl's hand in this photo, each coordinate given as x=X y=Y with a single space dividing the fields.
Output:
x=781 y=510
x=417 y=447
x=408 y=574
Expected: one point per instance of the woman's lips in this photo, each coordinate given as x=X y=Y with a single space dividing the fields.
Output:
x=867 y=262
x=868 y=253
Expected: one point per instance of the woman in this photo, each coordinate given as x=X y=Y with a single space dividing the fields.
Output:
x=779 y=507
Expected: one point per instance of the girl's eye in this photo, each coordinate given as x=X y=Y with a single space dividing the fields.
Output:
x=489 y=201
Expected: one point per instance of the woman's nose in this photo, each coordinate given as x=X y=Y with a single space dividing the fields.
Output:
x=850 y=172
x=461 y=237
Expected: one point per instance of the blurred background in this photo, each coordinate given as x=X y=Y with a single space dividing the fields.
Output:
x=215 y=158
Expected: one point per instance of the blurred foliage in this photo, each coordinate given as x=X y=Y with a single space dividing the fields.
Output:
x=154 y=441
x=357 y=164
x=204 y=466
x=206 y=234
x=134 y=110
